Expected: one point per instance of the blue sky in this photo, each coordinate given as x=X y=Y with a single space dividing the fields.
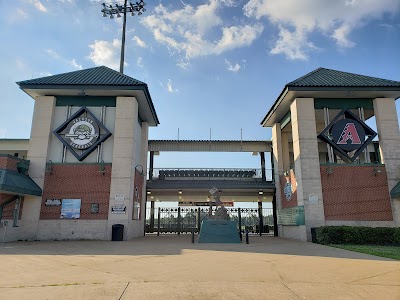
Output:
x=216 y=64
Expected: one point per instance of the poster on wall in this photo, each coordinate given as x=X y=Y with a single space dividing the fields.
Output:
x=70 y=209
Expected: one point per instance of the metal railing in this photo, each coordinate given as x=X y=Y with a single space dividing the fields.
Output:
x=210 y=174
x=179 y=220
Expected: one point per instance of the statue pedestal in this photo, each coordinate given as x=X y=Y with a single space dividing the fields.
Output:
x=219 y=231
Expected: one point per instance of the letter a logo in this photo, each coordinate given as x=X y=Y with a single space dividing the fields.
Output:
x=349 y=133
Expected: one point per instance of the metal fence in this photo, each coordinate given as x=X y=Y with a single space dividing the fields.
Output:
x=179 y=220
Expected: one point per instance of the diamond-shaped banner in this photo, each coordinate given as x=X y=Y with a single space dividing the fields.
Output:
x=82 y=133
x=347 y=133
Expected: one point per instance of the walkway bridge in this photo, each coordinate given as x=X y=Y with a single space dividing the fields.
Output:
x=190 y=186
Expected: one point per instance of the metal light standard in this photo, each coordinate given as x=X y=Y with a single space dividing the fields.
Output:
x=118 y=9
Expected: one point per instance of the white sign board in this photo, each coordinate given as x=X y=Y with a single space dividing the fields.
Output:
x=313 y=199
x=213 y=190
x=119 y=198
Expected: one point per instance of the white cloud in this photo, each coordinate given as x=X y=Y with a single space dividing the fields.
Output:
x=296 y=20
x=39 y=6
x=22 y=14
x=106 y=53
x=139 y=42
x=139 y=62
x=170 y=88
x=75 y=64
x=53 y=53
x=233 y=68
x=187 y=30
x=184 y=64
x=72 y=62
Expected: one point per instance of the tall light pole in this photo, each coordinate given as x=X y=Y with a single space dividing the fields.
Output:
x=117 y=9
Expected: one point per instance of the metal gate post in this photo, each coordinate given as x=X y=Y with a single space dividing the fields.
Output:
x=179 y=220
x=274 y=214
x=240 y=220
x=260 y=219
x=198 y=219
x=152 y=216
x=158 y=221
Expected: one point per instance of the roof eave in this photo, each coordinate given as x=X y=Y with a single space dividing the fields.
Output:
x=142 y=87
x=265 y=122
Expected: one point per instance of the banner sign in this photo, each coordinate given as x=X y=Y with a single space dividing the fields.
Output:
x=291 y=216
x=70 y=209
x=118 y=209
x=52 y=202
x=206 y=203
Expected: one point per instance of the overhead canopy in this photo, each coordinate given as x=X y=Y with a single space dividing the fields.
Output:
x=395 y=192
x=326 y=83
x=15 y=183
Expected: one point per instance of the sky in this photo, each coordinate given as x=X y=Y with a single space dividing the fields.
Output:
x=216 y=64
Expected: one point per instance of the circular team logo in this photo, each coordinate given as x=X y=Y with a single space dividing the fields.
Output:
x=82 y=133
x=348 y=134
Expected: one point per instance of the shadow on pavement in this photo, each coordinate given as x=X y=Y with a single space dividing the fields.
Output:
x=174 y=245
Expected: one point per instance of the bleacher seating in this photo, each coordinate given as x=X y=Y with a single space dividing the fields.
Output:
x=181 y=173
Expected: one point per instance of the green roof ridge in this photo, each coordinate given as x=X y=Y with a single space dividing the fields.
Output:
x=100 y=75
x=329 y=77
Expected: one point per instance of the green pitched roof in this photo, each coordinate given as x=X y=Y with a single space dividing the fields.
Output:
x=93 y=76
x=12 y=182
x=327 y=80
x=97 y=78
x=322 y=77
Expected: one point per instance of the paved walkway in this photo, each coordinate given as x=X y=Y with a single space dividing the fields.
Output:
x=170 y=267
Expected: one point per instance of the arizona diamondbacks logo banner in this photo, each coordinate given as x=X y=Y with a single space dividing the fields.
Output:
x=82 y=133
x=347 y=133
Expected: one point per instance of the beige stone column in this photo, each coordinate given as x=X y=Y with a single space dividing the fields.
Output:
x=306 y=160
x=278 y=160
x=143 y=162
x=278 y=165
x=389 y=144
x=39 y=142
x=123 y=167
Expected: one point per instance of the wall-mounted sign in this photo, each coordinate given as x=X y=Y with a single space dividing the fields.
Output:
x=347 y=133
x=119 y=198
x=206 y=203
x=118 y=209
x=94 y=208
x=82 y=133
x=313 y=199
x=52 y=202
x=291 y=216
x=70 y=208
x=287 y=190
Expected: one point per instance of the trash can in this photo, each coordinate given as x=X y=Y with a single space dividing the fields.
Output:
x=117 y=232
x=313 y=235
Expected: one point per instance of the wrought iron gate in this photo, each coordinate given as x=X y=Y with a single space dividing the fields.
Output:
x=185 y=220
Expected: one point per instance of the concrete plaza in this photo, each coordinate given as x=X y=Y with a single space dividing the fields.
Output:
x=171 y=267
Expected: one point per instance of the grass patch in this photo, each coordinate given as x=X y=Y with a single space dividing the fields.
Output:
x=377 y=250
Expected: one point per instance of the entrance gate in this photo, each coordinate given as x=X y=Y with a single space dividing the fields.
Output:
x=179 y=220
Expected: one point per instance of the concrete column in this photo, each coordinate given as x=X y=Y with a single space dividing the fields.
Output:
x=38 y=149
x=123 y=164
x=307 y=167
x=143 y=161
x=277 y=160
x=278 y=169
x=151 y=167
x=389 y=143
x=262 y=157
